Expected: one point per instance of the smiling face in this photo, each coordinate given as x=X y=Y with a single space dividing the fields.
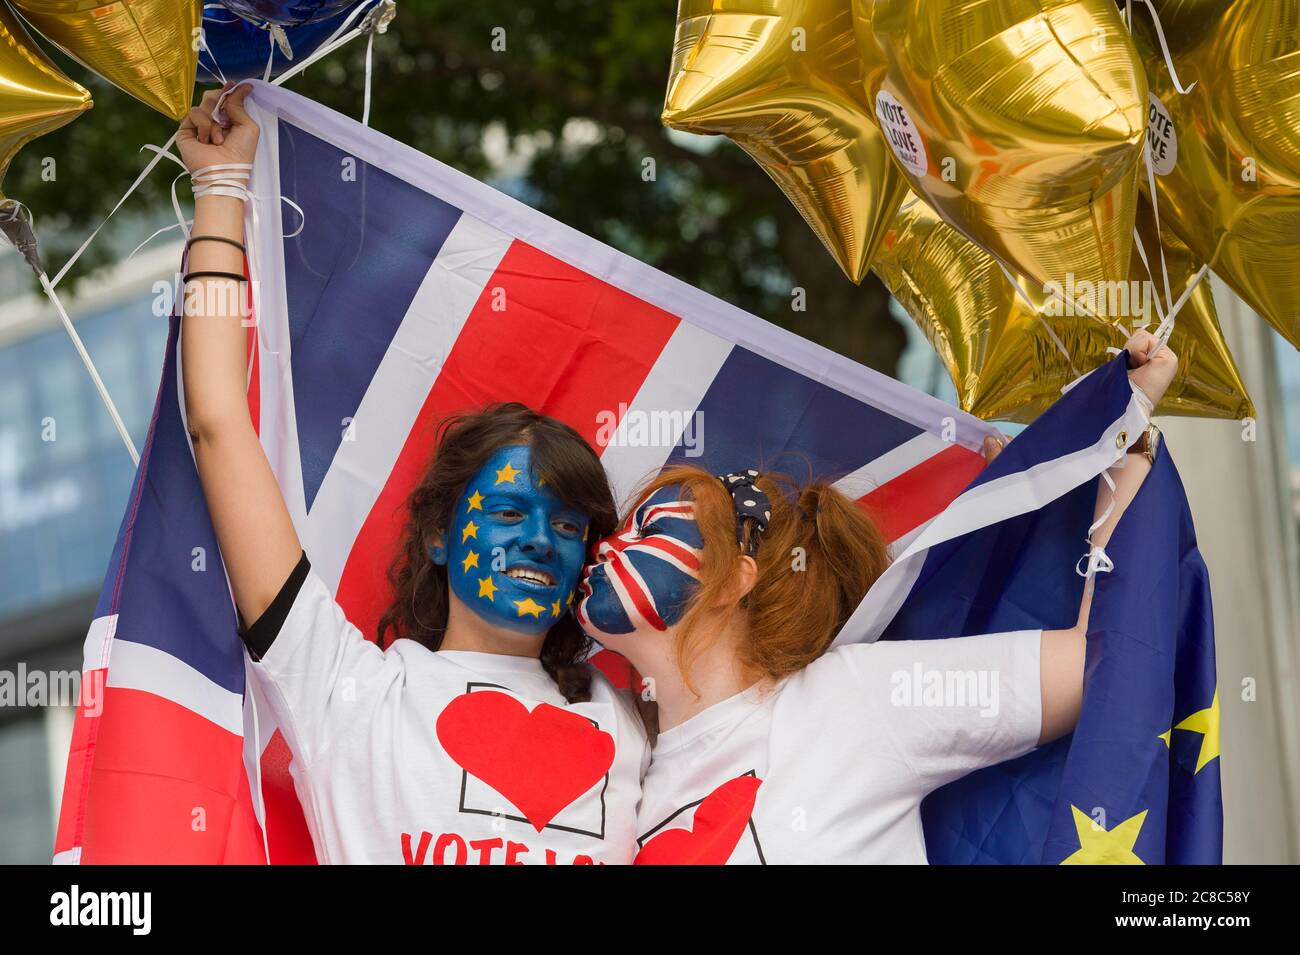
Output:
x=514 y=550
x=646 y=572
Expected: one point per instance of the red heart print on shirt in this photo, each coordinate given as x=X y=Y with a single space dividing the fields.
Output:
x=541 y=761
x=719 y=823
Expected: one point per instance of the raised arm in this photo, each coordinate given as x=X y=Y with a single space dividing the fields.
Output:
x=257 y=538
x=1062 y=655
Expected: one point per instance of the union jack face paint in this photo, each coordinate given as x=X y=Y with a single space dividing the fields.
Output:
x=645 y=573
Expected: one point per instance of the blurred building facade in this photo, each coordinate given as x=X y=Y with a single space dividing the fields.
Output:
x=64 y=481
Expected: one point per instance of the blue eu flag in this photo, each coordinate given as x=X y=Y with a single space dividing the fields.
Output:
x=1138 y=780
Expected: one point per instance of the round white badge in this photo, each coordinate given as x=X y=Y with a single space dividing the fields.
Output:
x=1162 y=138
x=901 y=133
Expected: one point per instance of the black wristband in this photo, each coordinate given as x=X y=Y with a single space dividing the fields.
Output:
x=215 y=275
x=216 y=238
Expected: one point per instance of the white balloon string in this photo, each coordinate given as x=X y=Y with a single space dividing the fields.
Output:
x=341 y=36
x=203 y=44
x=1164 y=48
x=370 y=51
x=1166 y=327
x=1155 y=211
x=1033 y=308
x=270 y=58
x=1098 y=561
x=1140 y=247
x=104 y=396
x=54 y=282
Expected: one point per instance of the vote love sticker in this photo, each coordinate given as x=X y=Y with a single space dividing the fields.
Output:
x=902 y=134
x=1162 y=137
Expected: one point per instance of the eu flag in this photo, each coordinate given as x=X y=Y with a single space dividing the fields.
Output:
x=1138 y=781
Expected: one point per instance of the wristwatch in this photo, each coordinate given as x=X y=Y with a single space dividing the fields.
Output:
x=1148 y=443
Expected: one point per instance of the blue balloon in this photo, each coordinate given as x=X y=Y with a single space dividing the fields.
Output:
x=287 y=13
x=240 y=48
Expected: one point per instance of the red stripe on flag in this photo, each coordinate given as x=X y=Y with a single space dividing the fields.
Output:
x=287 y=836
x=543 y=333
x=254 y=381
x=76 y=780
x=167 y=786
x=917 y=495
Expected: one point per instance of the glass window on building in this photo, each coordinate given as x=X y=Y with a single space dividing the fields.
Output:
x=26 y=814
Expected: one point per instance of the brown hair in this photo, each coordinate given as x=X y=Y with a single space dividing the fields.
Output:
x=465 y=442
x=816 y=560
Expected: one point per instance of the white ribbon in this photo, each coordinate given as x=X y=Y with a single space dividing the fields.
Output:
x=1098 y=561
x=1164 y=46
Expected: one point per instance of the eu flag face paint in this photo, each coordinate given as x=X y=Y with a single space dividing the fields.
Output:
x=514 y=549
x=647 y=571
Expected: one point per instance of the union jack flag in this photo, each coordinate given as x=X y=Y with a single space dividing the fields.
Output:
x=412 y=292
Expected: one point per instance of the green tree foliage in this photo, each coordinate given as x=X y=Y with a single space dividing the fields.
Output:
x=574 y=98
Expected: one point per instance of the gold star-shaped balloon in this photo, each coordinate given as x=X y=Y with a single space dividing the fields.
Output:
x=507 y=474
x=1009 y=353
x=1020 y=123
x=1098 y=846
x=486 y=588
x=471 y=560
x=529 y=606
x=1205 y=722
x=35 y=97
x=1226 y=154
x=784 y=81
x=145 y=47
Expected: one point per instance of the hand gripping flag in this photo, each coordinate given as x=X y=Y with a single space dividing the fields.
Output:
x=1138 y=781
x=411 y=292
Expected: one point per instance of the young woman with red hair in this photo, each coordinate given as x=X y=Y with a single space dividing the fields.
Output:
x=726 y=595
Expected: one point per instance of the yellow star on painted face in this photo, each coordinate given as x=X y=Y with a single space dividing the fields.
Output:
x=555 y=609
x=507 y=474
x=471 y=530
x=1205 y=722
x=475 y=502
x=487 y=589
x=570 y=600
x=1099 y=846
x=529 y=606
x=471 y=560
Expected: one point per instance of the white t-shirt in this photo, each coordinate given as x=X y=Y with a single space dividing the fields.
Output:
x=453 y=757
x=831 y=764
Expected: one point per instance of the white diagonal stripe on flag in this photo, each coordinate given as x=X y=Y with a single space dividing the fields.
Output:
x=677 y=383
x=138 y=666
x=890 y=465
x=360 y=469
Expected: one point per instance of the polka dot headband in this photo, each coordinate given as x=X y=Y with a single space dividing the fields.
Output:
x=749 y=502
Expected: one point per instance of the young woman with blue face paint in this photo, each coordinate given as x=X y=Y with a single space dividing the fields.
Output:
x=726 y=594
x=479 y=735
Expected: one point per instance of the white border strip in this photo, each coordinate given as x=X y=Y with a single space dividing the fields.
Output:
x=98 y=645
x=890 y=465
x=278 y=419
x=983 y=506
x=677 y=383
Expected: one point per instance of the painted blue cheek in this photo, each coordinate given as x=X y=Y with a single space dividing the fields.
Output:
x=480 y=538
